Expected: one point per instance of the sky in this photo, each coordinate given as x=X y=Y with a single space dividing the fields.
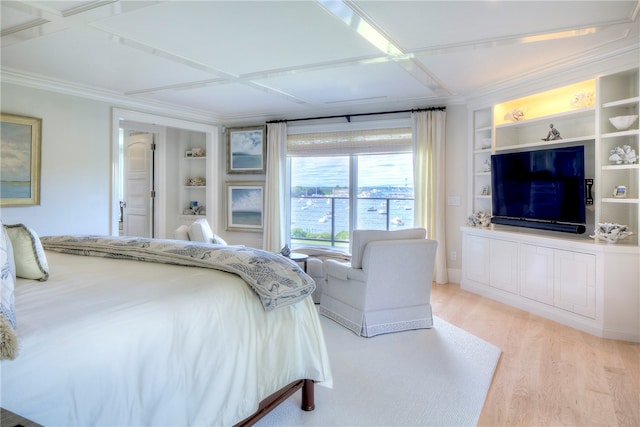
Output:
x=249 y=142
x=15 y=163
x=374 y=171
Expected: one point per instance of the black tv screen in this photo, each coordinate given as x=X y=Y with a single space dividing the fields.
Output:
x=545 y=185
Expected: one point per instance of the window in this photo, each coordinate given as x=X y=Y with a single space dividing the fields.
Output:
x=339 y=186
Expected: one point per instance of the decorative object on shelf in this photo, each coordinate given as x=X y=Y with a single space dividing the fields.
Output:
x=516 y=115
x=623 y=122
x=246 y=150
x=197 y=152
x=486 y=165
x=620 y=191
x=485 y=143
x=479 y=219
x=285 y=251
x=553 y=134
x=196 y=182
x=623 y=155
x=610 y=232
x=485 y=190
x=582 y=99
x=194 y=210
x=188 y=154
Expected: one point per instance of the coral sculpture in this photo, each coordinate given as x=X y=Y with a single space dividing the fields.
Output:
x=623 y=155
x=610 y=232
x=479 y=219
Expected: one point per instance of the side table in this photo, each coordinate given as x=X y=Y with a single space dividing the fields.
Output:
x=298 y=257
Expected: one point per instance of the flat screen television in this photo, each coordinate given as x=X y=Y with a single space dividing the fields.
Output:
x=540 y=189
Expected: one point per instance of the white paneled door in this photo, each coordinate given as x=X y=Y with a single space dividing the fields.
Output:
x=137 y=213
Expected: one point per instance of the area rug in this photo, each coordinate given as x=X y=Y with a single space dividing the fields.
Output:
x=428 y=377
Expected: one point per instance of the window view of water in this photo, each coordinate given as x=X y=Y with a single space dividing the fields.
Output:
x=320 y=194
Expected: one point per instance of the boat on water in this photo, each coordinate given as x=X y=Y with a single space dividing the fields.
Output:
x=397 y=221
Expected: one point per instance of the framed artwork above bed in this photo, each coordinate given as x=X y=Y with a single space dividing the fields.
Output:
x=245 y=204
x=20 y=139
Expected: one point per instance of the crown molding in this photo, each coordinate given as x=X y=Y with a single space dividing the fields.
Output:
x=115 y=99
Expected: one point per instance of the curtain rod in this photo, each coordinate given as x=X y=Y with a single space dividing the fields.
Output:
x=348 y=116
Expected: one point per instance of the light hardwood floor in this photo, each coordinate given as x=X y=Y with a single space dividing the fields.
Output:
x=548 y=374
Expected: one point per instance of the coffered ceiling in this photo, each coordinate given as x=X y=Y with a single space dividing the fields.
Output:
x=228 y=60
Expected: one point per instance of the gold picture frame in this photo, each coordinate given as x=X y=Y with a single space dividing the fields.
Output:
x=246 y=150
x=20 y=143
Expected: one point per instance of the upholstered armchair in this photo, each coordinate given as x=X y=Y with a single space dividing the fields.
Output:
x=387 y=285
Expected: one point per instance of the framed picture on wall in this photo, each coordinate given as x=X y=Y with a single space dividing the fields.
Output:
x=246 y=150
x=20 y=139
x=245 y=204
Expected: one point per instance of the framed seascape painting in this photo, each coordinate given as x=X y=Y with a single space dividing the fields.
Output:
x=246 y=150
x=20 y=139
x=245 y=201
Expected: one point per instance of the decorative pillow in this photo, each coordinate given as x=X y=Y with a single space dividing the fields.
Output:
x=182 y=233
x=200 y=231
x=362 y=237
x=8 y=334
x=218 y=240
x=30 y=259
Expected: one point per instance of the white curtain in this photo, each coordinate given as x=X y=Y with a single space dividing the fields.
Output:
x=274 y=192
x=429 y=182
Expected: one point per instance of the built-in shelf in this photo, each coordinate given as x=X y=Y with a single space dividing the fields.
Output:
x=190 y=187
x=554 y=143
x=619 y=167
x=622 y=102
x=630 y=132
x=624 y=200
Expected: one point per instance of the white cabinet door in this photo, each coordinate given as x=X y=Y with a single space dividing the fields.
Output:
x=575 y=282
x=504 y=265
x=536 y=273
x=476 y=259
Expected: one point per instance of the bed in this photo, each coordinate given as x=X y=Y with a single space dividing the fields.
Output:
x=141 y=339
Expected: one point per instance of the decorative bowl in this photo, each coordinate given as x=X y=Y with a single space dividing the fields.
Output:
x=623 y=122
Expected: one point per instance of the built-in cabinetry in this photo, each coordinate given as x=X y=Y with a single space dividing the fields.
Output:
x=573 y=281
x=195 y=177
x=580 y=112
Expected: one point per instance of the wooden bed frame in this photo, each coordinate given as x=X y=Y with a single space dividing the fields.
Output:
x=270 y=403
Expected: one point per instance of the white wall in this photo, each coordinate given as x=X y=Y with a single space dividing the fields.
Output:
x=456 y=185
x=76 y=158
x=76 y=168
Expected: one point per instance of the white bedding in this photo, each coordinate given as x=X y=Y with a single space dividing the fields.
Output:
x=124 y=343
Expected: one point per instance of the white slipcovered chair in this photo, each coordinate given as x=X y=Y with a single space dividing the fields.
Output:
x=387 y=285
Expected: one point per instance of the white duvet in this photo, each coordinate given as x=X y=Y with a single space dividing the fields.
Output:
x=125 y=343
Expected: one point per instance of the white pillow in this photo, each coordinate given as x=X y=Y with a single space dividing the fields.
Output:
x=8 y=334
x=200 y=231
x=182 y=233
x=29 y=256
x=218 y=240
